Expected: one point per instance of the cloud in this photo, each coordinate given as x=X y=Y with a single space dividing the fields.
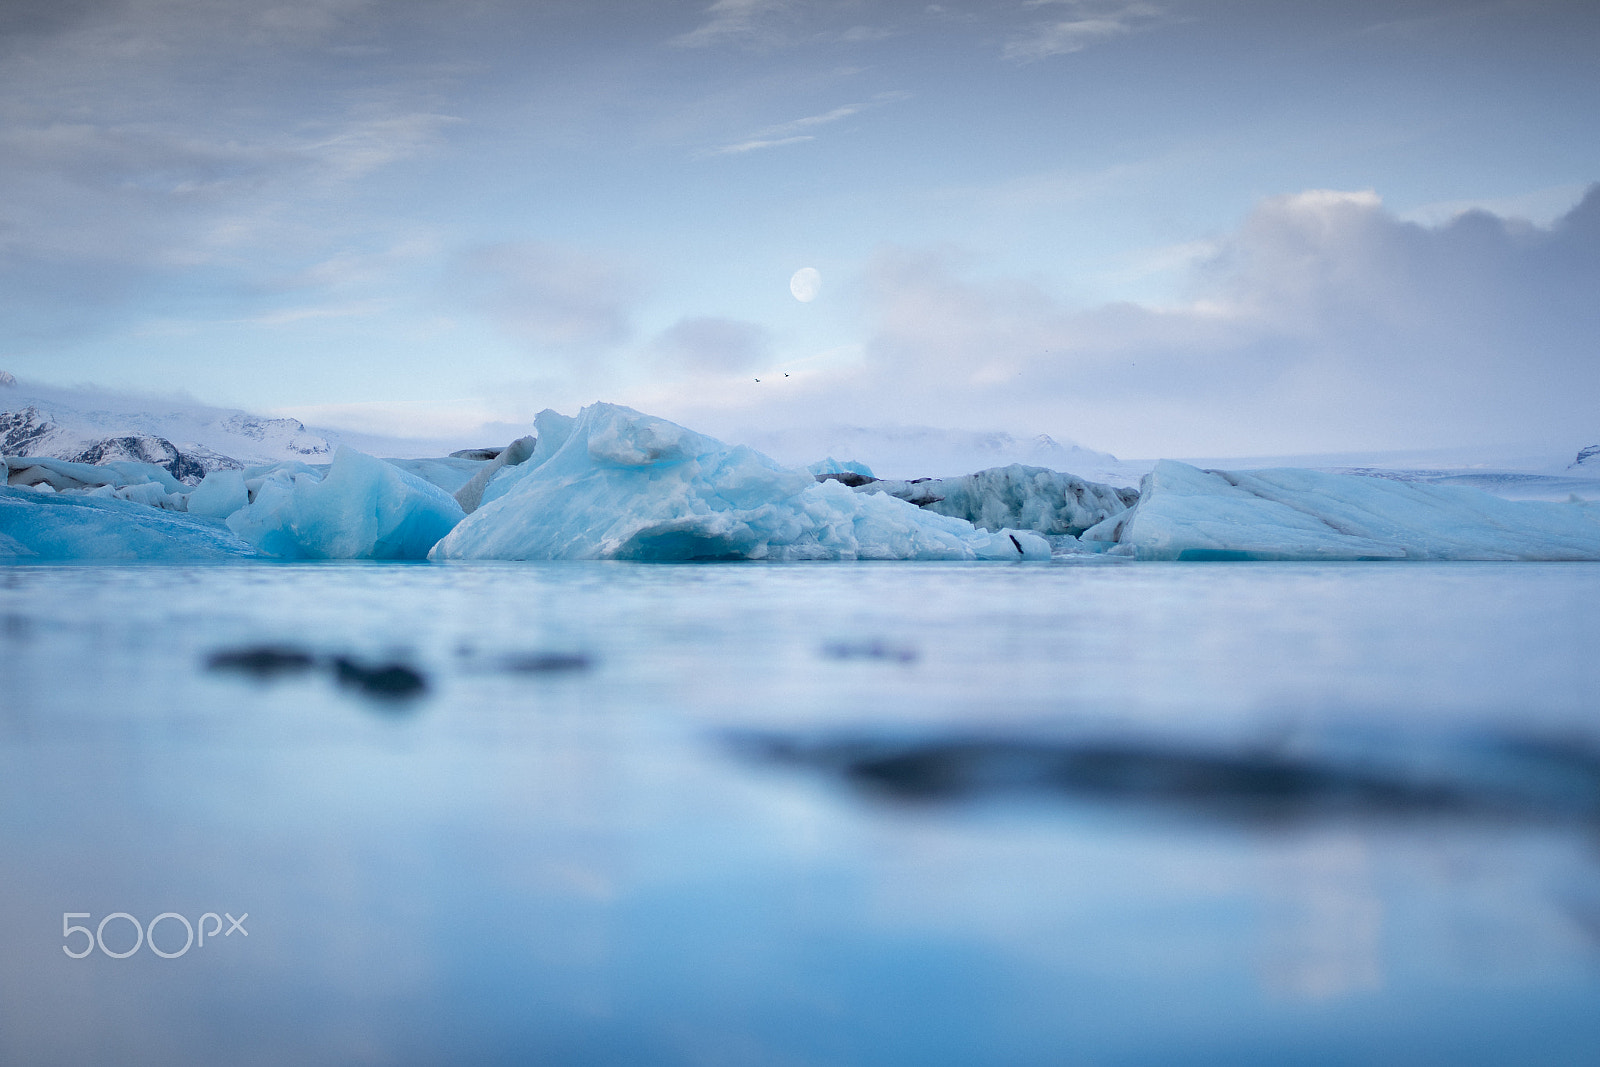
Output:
x=760 y=25
x=745 y=22
x=550 y=297
x=1323 y=323
x=823 y=119
x=156 y=150
x=711 y=346
x=758 y=143
x=1088 y=22
x=792 y=132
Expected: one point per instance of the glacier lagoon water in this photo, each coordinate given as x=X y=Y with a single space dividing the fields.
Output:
x=788 y=814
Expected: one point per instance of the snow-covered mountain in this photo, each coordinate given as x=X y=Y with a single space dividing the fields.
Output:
x=186 y=438
x=931 y=452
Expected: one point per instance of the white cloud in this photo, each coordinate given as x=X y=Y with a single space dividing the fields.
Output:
x=761 y=25
x=791 y=132
x=734 y=21
x=1089 y=21
x=823 y=119
x=1324 y=323
x=757 y=143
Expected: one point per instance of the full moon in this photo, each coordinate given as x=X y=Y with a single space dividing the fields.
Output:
x=805 y=284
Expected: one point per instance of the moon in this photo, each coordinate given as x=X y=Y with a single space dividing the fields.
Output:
x=806 y=284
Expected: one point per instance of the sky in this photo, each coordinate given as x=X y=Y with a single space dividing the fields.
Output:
x=1178 y=227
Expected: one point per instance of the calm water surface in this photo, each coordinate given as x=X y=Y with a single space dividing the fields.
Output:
x=852 y=814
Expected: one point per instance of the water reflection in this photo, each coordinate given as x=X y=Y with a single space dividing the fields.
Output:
x=644 y=815
x=1322 y=919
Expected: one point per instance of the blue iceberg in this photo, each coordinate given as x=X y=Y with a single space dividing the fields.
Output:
x=1185 y=513
x=362 y=508
x=615 y=484
x=43 y=525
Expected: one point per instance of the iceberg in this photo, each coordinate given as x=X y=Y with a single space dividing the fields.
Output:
x=219 y=495
x=836 y=466
x=44 y=525
x=1185 y=513
x=449 y=473
x=1018 y=496
x=612 y=483
x=362 y=508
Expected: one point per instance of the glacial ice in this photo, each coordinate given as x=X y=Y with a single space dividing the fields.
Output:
x=448 y=473
x=47 y=525
x=219 y=495
x=615 y=484
x=837 y=466
x=612 y=483
x=362 y=508
x=1024 y=498
x=62 y=474
x=1185 y=513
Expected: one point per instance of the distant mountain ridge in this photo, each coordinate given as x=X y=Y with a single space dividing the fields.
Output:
x=188 y=441
x=900 y=452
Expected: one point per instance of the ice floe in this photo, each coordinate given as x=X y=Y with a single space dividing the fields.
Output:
x=1185 y=513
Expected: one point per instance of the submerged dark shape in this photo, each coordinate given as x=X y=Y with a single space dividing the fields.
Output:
x=262 y=661
x=265 y=662
x=545 y=662
x=880 y=650
x=1478 y=777
x=387 y=680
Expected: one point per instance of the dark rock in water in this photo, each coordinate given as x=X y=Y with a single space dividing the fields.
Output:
x=1474 y=777
x=477 y=453
x=265 y=662
x=545 y=662
x=387 y=680
x=262 y=661
x=850 y=478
